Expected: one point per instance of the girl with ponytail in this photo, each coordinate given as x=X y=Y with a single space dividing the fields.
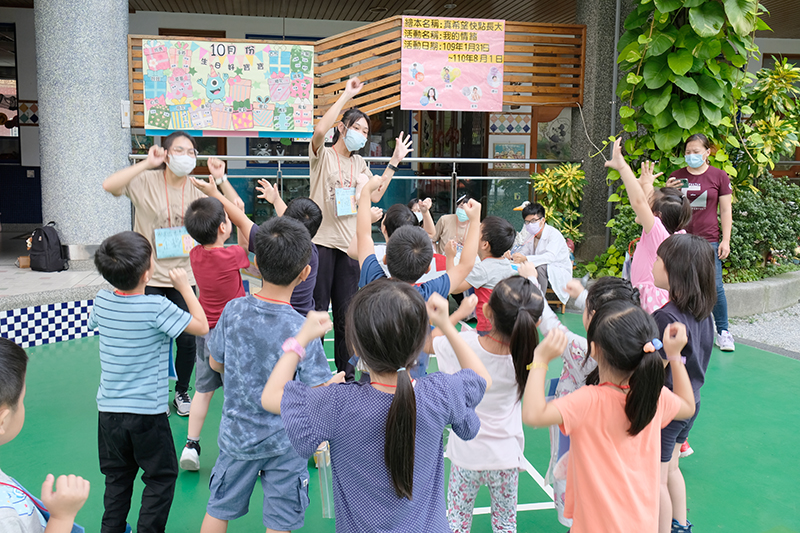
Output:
x=386 y=434
x=614 y=425
x=494 y=457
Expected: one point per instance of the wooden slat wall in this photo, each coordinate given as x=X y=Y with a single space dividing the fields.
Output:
x=372 y=53
x=544 y=62
x=544 y=65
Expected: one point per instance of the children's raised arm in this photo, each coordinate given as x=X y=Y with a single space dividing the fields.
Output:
x=466 y=308
x=460 y=272
x=639 y=200
x=316 y=325
x=674 y=340
x=365 y=245
x=427 y=219
x=237 y=216
x=536 y=411
x=270 y=193
x=199 y=324
x=437 y=311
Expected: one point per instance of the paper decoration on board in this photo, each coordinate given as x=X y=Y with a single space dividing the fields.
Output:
x=231 y=88
x=452 y=64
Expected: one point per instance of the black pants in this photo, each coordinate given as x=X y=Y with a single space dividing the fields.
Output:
x=337 y=282
x=187 y=347
x=128 y=442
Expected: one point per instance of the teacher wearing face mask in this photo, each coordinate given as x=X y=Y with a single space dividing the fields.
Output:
x=547 y=249
x=160 y=193
x=451 y=227
x=338 y=174
x=709 y=191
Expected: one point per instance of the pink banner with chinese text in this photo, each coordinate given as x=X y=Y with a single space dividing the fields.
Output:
x=452 y=64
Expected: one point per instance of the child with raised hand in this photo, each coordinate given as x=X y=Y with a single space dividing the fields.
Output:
x=684 y=267
x=216 y=270
x=661 y=213
x=246 y=344
x=576 y=365
x=409 y=251
x=21 y=512
x=495 y=456
x=614 y=423
x=136 y=333
x=385 y=435
x=303 y=210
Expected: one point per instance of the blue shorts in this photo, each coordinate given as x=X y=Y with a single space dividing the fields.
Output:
x=676 y=432
x=283 y=478
x=206 y=379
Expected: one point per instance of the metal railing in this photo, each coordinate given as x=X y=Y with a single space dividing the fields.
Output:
x=453 y=177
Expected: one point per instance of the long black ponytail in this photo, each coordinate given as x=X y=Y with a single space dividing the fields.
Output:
x=387 y=325
x=622 y=331
x=516 y=308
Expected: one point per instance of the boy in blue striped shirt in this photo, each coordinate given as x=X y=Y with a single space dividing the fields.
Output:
x=136 y=333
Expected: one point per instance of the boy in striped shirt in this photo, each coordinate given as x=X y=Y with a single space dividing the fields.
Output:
x=136 y=333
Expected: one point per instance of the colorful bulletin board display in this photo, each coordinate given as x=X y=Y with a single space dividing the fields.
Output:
x=452 y=64
x=220 y=89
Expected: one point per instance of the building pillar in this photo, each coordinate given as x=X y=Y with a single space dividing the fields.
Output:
x=601 y=59
x=82 y=75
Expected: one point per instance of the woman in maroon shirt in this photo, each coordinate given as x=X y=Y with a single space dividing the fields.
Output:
x=709 y=190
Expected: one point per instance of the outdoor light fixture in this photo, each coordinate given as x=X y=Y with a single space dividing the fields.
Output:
x=410 y=11
x=378 y=10
x=450 y=6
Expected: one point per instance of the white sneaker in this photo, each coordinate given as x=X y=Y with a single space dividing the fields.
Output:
x=182 y=403
x=725 y=341
x=190 y=457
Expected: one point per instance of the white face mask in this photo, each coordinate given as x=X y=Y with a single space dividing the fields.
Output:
x=418 y=215
x=534 y=227
x=180 y=165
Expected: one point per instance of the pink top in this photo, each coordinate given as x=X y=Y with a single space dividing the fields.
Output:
x=612 y=478
x=644 y=258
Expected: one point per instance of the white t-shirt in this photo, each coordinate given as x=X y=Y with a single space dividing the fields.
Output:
x=18 y=513
x=500 y=442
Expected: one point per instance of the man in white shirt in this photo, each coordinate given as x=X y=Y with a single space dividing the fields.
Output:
x=547 y=249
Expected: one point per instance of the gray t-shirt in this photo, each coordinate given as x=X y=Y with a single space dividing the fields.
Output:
x=248 y=340
x=18 y=513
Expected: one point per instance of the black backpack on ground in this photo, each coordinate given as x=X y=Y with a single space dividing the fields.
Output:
x=46 y=253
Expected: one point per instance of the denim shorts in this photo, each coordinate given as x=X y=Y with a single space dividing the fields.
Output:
x=676 y=432
x=285 y=482
x=206 y=379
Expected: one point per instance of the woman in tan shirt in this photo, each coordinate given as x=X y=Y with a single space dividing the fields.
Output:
x=338 y=174
x=160 y=192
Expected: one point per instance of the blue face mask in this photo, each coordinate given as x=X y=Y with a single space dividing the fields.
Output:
x=694 y=160
x=462 y=215
x=354 y=141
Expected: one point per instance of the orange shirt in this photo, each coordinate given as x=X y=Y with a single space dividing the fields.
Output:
x=612 y=478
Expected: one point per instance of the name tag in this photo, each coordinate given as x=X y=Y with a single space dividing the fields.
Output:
x=345 y=201
x=173 y=242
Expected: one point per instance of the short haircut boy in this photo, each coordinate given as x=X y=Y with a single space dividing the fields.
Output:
x=283 y=249
x=122 y=259
x=13 y=366
x=499 y=233
x=396 y=217
x=409 y=253
x=533 y=209
x=307 y=212
x=203 y=219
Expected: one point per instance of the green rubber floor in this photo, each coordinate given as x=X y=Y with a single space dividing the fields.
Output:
x=742 y=477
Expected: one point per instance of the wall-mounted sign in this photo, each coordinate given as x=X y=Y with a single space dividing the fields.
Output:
x=228 y=88
x=452 y=64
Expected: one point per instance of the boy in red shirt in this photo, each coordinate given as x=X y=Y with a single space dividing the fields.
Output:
x=216 y=270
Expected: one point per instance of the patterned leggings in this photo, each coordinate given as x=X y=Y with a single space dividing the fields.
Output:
x=463 y=487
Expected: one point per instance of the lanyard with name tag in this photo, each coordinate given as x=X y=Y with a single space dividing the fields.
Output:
x=345 y=196
x=173 y=241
